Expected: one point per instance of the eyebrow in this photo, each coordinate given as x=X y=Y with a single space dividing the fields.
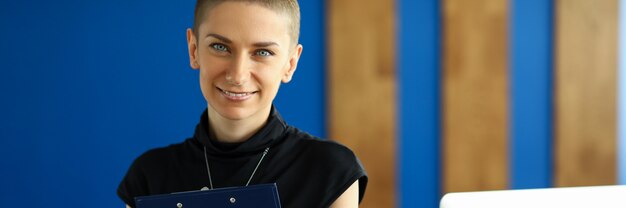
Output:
x=222 y=38
x=226 y=40
x=264 y=44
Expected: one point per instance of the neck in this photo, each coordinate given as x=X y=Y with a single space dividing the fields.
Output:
x=239 y=130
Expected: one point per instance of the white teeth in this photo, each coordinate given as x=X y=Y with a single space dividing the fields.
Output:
x=235 y=94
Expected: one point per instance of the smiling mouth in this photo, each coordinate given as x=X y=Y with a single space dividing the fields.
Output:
x=236 y=95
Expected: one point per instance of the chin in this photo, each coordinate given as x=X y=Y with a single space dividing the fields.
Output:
x=234 y=113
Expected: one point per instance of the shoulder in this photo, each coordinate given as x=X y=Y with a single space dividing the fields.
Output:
x=331 y=150
x=326 y=152
x=156 y=156
x=322 y=147
x=336 y=163
x=152 y=161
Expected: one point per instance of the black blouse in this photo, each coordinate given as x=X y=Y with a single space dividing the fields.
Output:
x=309 y=171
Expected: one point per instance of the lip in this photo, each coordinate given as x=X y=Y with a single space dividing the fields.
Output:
x=236 y=96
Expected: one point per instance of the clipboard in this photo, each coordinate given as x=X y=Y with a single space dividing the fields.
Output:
x=258 y=196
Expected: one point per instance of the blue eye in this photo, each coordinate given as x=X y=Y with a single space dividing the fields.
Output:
x=264 y=53
x=219 y=47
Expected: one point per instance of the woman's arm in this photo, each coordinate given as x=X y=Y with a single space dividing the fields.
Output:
x=128 y=206
x=349 y=198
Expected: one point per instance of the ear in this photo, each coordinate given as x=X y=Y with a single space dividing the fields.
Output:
x=192 y=46
x=293 y=63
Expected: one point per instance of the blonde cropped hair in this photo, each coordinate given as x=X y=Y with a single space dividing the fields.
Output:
x=287 y=7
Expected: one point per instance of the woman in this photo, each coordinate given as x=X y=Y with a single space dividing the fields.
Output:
x=243 y=51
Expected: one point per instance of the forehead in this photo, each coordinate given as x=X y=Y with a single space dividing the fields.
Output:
x=244 y=21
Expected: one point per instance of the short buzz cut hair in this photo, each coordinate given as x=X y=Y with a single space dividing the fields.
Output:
x=287 y=7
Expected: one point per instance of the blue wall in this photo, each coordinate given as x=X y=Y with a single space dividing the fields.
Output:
x=531 y=48
x=419 y=42
x=418 y=95
x=302 y=101
x=87 y=86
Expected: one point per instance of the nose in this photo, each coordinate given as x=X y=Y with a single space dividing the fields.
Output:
x=239 y=71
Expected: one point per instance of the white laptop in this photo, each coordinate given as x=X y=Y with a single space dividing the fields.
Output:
x=590 y=196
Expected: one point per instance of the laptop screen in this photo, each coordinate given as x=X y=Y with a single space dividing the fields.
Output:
x=591 y=196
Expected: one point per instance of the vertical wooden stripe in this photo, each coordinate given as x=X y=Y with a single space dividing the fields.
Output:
x=586 y=66
x=475 y=100
x=361 y=84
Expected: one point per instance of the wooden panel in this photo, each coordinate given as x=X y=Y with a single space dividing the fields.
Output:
x=361 y=87
x=475 y=100
x=585 y=90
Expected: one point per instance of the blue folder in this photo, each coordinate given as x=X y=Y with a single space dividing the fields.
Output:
x=258 y=196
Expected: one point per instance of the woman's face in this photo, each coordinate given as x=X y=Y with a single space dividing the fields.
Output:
x=243 y=52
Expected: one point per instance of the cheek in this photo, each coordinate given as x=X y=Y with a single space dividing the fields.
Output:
x=212 y=67
x=271 y=86
x=270 y=77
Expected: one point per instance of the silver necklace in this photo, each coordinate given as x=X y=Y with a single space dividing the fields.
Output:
x=208 y=170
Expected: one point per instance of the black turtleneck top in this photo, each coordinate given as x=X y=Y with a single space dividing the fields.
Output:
x=309 y=171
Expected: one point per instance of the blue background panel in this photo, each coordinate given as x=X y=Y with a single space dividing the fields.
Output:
x=531 y=93
x=418 y=48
